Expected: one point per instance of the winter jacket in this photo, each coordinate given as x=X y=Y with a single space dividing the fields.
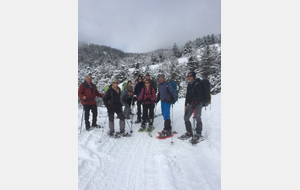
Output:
x=125 y=98
x=147 y=93
x=163 y=94
x=112 y=99
x=138 y=88
x=194 y=93
x=90 y=91
x=128 y=87
x=153 y=84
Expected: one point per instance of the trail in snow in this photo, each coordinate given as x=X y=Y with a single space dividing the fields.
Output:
x=144 y=162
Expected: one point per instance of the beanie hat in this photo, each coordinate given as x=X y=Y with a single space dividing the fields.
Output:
x=114 y=79
x=148 y=74
x=161 y=75
x=193 y=74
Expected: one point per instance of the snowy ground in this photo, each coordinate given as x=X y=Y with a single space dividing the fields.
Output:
x=142 y=162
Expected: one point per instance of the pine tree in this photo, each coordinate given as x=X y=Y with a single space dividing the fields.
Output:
x=176 y=51
x=188 y=48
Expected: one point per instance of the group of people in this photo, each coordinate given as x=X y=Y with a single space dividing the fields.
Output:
x=145 y=95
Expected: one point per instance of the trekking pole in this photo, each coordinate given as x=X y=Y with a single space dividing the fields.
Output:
x=194 y=128
x=172 y=126
x=82 y=117
x=103 y=128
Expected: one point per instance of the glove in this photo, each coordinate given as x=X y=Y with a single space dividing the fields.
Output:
x=170 y=100
x=148 y=99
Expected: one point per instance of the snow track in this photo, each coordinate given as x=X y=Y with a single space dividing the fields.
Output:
x=145 y=163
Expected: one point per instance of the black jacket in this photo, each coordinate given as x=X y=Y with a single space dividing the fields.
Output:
x=112 y=98
x=194 y=93
x=138 y=88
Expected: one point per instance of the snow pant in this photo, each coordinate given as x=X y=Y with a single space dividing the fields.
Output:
x=111 y=113
x=127 y=111
x=87 y=109
x=147 y=107
x=139 y=112
x=189 y=112
x=165 y=108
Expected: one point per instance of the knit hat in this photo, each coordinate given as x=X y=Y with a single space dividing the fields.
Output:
x=161 y=75
x=193 y=74
x=148 y=74
x=114 y=79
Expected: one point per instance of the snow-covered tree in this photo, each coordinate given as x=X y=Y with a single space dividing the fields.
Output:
x=176 y=51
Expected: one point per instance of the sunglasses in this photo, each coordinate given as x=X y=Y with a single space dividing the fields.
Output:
x=189 y=76
x=115 y=82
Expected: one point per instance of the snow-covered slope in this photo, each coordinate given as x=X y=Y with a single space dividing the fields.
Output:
x=142 y=162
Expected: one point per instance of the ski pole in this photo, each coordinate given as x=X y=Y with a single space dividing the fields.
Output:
x=194 y=128
x=103 y=128
x=82 y=117
x=172 y=126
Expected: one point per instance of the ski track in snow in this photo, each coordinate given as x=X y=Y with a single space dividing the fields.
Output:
x=142 y=162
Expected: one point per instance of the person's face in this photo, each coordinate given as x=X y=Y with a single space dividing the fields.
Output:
x=190 y=77
x=161 y=79
x=129 y=93
x=129 y=84
x=140 y=79
x=115 y=84
x=147 y=84
x=147 y=77
x=88 y=79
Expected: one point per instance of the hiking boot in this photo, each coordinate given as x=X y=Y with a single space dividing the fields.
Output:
x=198 y=137
x=96 y=126
x=185 y=136
x=143 y=127
x=165 y=133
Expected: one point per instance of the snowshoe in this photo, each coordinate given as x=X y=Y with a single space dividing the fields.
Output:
x=150 y=129
x=142 y=129
x=165 y=134
x=96 y=126
x=123 y=134
x=197 y=138
x=114 y=135
x=185 y=136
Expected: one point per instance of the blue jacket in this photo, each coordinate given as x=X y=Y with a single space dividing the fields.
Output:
x=163 y=92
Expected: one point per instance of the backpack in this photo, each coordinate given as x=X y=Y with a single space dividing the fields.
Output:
x=106 y=88
x=174 y=86
x=206 y=92
x=124 y=85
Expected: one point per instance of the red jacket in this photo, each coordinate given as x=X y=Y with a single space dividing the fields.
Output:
x=147 y=94
x=89 y=92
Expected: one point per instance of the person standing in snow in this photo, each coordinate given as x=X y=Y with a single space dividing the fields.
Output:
x=137 y=91
x=153 y=83
x=128 y=86
x=147 y=98
x=167 y=97
x=87 y=92
x=193 y=101
x=126 y=98
x=113 y=104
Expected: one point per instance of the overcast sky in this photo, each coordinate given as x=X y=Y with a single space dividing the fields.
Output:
x=145 y=25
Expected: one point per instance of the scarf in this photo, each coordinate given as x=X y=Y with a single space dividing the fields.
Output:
x=116 y=89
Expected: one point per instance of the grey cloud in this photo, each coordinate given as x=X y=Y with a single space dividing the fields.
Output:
x=143 y=26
